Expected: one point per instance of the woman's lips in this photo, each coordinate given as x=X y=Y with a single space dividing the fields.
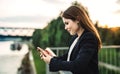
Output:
x=68 y=30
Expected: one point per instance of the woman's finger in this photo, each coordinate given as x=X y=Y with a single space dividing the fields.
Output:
x=41 y=55
x=41 y=58
x=40 y=49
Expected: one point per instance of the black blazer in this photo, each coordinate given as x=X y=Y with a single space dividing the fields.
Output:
x=83 y=59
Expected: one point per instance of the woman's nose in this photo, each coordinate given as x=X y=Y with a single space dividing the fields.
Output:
x=65 y=27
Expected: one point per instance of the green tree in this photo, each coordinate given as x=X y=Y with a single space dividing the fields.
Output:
x=57 y=36
x=117 y=36
x=51 y=36
x=36 y=37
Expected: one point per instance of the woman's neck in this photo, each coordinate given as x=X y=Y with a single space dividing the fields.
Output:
x=81 y=30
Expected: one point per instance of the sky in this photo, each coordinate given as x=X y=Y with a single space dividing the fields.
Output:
x=38 y=13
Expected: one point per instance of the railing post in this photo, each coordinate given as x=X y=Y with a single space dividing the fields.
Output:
x=57 y=52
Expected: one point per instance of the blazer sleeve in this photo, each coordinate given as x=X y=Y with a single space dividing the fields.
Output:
x=63 y=57
x=88 y=46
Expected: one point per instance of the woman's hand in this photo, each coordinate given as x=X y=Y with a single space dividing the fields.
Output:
x=45 y=56
x=50 y=52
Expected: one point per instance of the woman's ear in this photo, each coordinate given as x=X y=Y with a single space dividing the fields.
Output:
x=78 y=18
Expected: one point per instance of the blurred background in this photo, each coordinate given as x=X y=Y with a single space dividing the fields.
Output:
x=27 y=24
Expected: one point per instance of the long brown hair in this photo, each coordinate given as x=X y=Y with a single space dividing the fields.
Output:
x=79 y=13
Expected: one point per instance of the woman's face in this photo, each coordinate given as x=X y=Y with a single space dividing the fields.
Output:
x=71 y=26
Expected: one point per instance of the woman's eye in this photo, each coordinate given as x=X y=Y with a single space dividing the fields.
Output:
x=66 y=23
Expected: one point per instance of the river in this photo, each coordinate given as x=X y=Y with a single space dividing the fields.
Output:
x=10 y=60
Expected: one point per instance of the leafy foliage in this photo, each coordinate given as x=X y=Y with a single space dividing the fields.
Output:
x=51 y=36
x=110 y=36
x=36 y=37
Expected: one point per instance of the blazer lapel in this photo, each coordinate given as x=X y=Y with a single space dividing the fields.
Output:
x=76 y=48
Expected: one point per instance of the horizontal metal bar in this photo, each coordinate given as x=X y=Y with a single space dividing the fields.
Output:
x=109 y=66
x=64 y=48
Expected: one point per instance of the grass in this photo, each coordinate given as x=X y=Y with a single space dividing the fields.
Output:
x=39 y=64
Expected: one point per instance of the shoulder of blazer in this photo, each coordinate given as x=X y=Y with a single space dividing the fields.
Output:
x=87 y=36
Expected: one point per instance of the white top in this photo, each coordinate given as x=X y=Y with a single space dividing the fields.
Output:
x=71 y=48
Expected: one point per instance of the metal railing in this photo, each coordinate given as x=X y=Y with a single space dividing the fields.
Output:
x=109 y=59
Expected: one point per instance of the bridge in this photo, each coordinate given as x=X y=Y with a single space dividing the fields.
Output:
x=11 y=33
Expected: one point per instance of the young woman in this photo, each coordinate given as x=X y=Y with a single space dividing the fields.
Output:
x=82 y=56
